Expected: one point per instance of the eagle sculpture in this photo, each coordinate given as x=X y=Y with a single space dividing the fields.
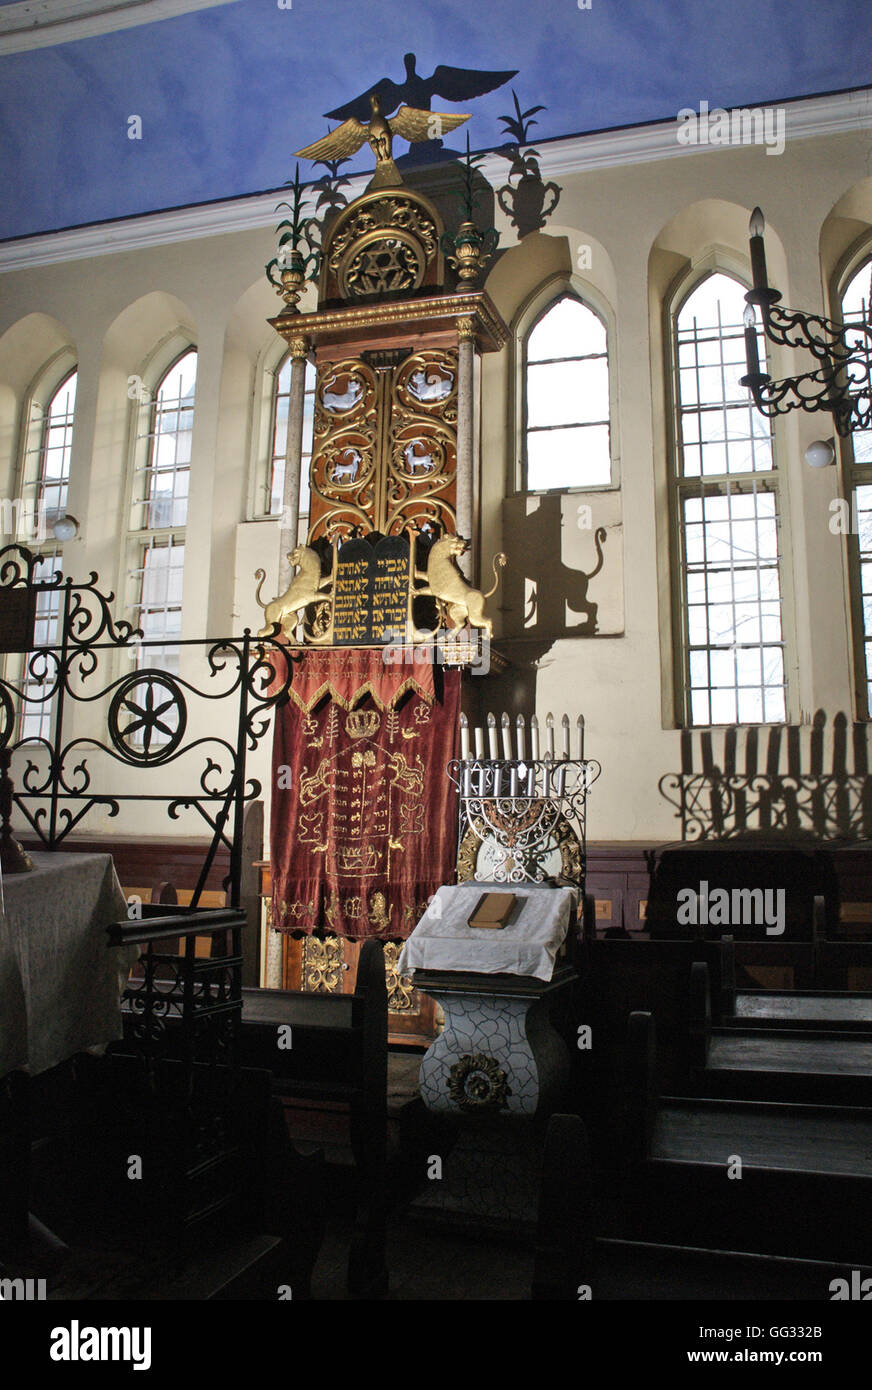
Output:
x=447 y=83
x=410 y=123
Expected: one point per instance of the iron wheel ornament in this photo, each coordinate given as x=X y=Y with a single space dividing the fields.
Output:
x=150 y=717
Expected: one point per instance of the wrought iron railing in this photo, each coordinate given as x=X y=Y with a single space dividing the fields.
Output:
x=203 y=722
x=124 y=738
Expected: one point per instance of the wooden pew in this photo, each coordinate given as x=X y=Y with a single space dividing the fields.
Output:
x=337 y=1054
x=219 y=1181
x=681 y=1175
x=575 y=1261
x=333 y=1047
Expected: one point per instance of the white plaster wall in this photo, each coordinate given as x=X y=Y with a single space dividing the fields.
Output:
x=648 y=225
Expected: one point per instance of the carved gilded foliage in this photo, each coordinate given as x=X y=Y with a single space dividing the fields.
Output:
x=385 y=446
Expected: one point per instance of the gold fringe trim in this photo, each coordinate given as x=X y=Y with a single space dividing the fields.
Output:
x=327 y=687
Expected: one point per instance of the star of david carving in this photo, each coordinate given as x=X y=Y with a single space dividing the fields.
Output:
x=383 y=266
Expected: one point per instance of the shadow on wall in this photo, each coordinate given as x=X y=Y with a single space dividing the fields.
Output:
x=807 y=782
x=543 y=596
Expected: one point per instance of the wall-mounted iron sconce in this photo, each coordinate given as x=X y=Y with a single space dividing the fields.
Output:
x=841 y=383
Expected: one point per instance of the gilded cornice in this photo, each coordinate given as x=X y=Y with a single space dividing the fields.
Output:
x=327 y=326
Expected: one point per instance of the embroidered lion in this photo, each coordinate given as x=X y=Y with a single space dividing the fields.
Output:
x=452 y=591
x=304 y=588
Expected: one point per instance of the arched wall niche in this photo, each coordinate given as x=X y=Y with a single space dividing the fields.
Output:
x=845 y=243
x=846 y=239
x=564 y=250
x=254 y=354
x=524 y=280
x=540 y=532
x=36 y=353
x=703 y=238
x=140 y=343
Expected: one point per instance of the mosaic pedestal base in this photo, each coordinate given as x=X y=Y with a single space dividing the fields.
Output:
x=500 y=1070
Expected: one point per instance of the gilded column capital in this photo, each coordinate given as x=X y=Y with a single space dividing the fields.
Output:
x=465 y=328
x=299 y=347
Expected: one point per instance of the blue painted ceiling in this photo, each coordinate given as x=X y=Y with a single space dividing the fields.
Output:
x=227 y=94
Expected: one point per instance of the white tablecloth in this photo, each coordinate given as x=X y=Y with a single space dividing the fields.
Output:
x=60 y=983
x=526 y=945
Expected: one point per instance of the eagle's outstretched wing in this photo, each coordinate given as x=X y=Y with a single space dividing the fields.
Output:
x=345 y=140
x=415 y=125
x=359 y=109
x=459 y=84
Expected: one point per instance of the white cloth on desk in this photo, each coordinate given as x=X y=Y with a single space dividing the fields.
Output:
x=13 y=1005
x=526 y=945
x=61 y=982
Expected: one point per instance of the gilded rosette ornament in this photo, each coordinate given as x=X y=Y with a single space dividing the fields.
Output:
x=478 y=1082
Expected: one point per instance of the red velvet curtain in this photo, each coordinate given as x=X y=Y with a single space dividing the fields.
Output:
x=364 y=818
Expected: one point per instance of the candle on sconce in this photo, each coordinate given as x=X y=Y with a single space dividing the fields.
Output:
x=520 y=738
x=565 y=723
x=534 y=736
x=464 y=737
x=579 y=726
x=505 y=727
x=549 y=726
x=479 y=741
x=757 y=226
x=752 y=355
x=546 y=779
x=492 y=749
x=513 y=782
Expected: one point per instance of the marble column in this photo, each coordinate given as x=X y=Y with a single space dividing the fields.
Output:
x=272 y=971
x=289 y=528
x=293 y=461
x=465 y=435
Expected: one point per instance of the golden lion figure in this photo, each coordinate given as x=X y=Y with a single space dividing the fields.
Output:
x=306 y=587
x=452 y=591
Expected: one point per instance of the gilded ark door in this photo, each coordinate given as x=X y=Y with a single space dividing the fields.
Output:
x=384 y=454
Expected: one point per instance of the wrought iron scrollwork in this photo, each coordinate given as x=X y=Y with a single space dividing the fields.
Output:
x=153 y=717
x=529 y=815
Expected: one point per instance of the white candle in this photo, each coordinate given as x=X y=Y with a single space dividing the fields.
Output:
x=513 y=782
x=464 y=737
x=519 y=737
x=579 y=724
x=479 y=741
x=507 y=737
x=549 y=725
x=493 y=752
x=565 y=723
x=534 y=736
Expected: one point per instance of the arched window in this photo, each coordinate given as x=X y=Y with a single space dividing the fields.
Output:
x=45 y=476
x=857 y=460
x=730 y=663
x=566 y=400
x=159 y=509
x=55 y=449
x=279 y=437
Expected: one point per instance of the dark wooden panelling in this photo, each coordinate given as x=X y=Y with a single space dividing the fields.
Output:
x=618 y=875
x=147 y=861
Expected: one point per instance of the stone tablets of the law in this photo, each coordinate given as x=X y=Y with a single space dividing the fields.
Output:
x=370 y=596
